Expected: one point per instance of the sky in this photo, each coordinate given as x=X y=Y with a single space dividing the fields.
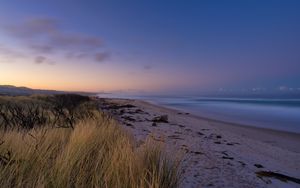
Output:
x=151 y=46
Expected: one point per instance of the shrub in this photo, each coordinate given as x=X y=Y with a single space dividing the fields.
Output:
x=59 y=110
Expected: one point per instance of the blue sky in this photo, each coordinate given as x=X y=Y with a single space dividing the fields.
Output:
x=152 y=45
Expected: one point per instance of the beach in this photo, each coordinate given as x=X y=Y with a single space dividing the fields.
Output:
x=213 y=153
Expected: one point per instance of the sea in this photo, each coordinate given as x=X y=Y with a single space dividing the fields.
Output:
x=281 y=114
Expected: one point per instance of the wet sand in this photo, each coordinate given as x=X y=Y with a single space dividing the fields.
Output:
x=282 y=139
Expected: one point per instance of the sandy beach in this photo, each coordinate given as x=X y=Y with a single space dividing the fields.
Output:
x=215 y=154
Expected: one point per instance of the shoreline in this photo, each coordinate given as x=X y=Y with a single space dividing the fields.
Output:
x=215 y=154
x=289 y=140
x=218 y=120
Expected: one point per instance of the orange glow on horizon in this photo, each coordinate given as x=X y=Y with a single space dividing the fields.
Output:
x=75 y=77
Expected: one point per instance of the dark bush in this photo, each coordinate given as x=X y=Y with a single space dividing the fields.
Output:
x=28 y=116
x=69 y=101
x=62 y=110
x=66 y=109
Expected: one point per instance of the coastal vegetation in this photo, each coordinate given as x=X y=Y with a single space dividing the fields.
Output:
x=66 y=141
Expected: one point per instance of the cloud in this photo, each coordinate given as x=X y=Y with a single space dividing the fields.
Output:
x=74 y=41
x=33 y=28
x=46 y=36
x=42 y=60
x=46 y=49
x=147 y=67
x=10 y=53
x=102 y=56
x=283 y=88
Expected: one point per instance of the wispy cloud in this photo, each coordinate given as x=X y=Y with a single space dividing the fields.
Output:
x=40 y=48
x=9 y=54
x=43 y=60
x=46 y=36
x=40 y=59
x=102 y=56
x=147 y=67
x=33 y=28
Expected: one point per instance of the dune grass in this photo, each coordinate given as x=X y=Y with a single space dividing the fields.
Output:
x=96 y=152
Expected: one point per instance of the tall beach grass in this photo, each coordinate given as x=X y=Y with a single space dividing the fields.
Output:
x=96 y=152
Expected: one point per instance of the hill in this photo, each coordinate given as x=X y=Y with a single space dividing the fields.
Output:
x=16 y=91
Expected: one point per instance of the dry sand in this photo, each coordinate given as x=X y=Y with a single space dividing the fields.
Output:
x=215 y=154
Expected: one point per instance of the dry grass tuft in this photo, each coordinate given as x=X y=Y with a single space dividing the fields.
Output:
x=95 y=153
